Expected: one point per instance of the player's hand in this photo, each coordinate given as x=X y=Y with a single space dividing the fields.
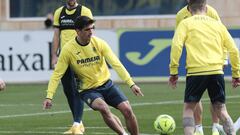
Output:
x=136 y=90
x=235 y=82
x=54 y=60
x=2 y=85
x=47 y=103
x=172 y=82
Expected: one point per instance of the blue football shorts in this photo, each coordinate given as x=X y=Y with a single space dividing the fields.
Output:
x=196 y=86
x=109 y=92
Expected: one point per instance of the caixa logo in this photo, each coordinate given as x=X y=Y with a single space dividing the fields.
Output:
x=147 y=53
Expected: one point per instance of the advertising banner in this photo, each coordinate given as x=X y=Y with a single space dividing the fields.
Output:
x=146 y=53
x=25 y=55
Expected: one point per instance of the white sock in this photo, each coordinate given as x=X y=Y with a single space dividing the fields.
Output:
x=214 y=126
x=237 y=124
x=199 y=128
x=76 y=123
x=125 y=133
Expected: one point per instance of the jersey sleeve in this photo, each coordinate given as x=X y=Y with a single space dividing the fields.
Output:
x=229 y=44
x=178 y=20
x=56 y=17
x=176 y=48
x=181 y=15
x=112 y=59
x=213 y=13
x=86 y=12
x=58 y=72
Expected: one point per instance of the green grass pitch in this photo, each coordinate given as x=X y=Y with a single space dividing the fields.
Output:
x=21 y=110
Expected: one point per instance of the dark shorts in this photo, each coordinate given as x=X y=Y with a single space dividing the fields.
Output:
x=196 y=86
x=109 y=92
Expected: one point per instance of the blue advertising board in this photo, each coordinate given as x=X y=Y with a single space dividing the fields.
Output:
x=147 y=53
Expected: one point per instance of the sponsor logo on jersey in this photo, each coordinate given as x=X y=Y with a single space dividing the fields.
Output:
x=88 y=60
x=67 y=21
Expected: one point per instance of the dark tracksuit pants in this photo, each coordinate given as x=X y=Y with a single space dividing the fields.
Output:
x=70 y=90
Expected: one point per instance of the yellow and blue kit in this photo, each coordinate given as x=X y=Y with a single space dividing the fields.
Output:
x=89 y=64
x=64 y=20
x=205 y=40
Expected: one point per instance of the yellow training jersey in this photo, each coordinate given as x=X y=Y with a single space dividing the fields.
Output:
x=211 y=12
x=89 y=65
x=204 y=39
x=185 y=13
x=64 y=20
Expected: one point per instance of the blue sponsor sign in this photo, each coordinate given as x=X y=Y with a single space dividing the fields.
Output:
x=147 y=53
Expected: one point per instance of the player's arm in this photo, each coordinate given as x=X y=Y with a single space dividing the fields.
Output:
x=60 y=69
x=235 y=62
x=178 y=20
x=55 y=46
x=176 y=52
x=56 y=36
x=176 y=48
x=181 y=15
x=233 y=52
x=86 y=12
x=113 y=60
x=234 y=57
x=213 y=13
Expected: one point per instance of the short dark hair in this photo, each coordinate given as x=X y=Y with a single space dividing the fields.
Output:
x=82 y=22
x=196 y=5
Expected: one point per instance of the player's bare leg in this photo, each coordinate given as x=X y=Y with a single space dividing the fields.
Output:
x=221 y=111
x=118 y=121
x=130 y=118
x=198 y=118
x=101 y=106
x=215 y=118
x=188 y=118
x=198 y=113
x=217 y=129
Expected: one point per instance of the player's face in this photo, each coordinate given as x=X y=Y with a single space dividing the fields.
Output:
x=71 y=3
x=86 y=33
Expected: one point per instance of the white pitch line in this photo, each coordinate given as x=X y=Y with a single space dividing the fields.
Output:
x=135 y=104
x=178 y=101
x=36 y=114
x=13 y=105
x=39 y=128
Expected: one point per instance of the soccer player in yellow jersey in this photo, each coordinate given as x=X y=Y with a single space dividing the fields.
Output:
x=205 y=40
x=216 y=128
x=2 y=85
x=64 y=31
x=87 y=56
